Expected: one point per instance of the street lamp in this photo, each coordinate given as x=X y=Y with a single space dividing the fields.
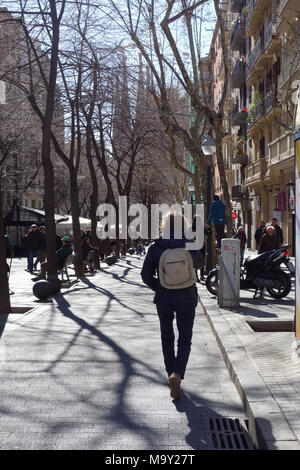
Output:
x=208 y=145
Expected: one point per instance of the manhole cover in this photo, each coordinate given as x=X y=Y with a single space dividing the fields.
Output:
x=270 y=326
x=230 y=434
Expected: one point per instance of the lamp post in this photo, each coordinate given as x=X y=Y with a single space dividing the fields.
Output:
x=208 y=148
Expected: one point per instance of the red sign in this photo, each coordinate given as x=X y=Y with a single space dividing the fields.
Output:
x=234 y=215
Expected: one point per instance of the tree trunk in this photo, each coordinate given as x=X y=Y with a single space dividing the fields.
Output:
x=5 y=306
x=75 y=211
x=227 y=201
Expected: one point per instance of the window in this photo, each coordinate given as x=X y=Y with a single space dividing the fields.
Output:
x=262 y=148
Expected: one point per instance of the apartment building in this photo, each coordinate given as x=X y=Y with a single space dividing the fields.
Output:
x=258 y=149
x=272 y=68
x=22 y=181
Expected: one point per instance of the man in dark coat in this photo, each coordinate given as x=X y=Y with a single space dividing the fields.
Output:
x=278 y=231
x=35 y=244
x=259 y=233
x=181 y=301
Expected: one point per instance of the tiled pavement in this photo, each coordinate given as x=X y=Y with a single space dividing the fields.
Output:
x=84 y=370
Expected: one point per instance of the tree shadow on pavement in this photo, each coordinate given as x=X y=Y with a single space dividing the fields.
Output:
x=121 y=413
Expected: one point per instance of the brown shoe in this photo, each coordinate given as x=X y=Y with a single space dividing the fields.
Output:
x=174 y=384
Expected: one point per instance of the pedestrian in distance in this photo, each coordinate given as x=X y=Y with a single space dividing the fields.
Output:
x=35 y=244
x=42 y=230
x=61 y=256
x=278 y=231
x=259 y=233
x=240 y=235
x=269 y=241
x=217 y=215
x=168 y=270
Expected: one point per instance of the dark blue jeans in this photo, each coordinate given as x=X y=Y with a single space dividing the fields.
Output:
x=185 y=315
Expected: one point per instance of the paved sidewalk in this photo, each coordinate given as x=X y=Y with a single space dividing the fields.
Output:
x=84 y=370
x=263 y=365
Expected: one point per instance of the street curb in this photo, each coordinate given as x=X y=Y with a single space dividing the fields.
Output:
x=268 y=427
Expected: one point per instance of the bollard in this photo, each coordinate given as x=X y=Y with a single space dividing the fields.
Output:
x=229 y=273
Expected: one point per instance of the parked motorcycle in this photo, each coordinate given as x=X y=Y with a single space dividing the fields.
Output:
x=261 y=271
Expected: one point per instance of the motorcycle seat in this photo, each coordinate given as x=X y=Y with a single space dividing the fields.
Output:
x=256 y=258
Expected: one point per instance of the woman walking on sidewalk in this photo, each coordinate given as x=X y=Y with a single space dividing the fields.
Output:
x=168 y=270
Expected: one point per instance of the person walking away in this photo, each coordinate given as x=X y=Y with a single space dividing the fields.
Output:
x=168 y=270
x=35 y=244
x=240 y=234
x=217 y=215
x=259 y=233
x=61 y=256
x=268 y=242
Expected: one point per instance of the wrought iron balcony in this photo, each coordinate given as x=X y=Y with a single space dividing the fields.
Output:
x=264 y=106
x=237 y=5
x=239 y=115
x=240 y=159
x=238 y=75
x=238 y=34
x=254 y=55
x=271 y=38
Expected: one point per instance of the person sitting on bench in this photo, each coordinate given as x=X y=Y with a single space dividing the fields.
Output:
x=61 y=256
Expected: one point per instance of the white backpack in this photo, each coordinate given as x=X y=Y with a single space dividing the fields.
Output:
x=176 y=270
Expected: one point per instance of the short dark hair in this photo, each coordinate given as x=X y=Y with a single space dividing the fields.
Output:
x=216 y=197
x=274 y=218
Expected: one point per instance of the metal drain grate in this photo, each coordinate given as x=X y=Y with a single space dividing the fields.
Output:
x=230 y=434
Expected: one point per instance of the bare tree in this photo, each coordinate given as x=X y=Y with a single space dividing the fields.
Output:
x=164 y=22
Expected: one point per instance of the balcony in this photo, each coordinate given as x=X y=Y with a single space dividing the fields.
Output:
x=281 y=150
x=255 y=62
x=256 y=172
x=237 y=5
x=255 y=17
x=266 y=107
x=238 y=75
x=272 y=39
x=289 y=8
x=236 y=192
x=290 y=66
x=240 y=159
x=238 y=115
x=238 y=34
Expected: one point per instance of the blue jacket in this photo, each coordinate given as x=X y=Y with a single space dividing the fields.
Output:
x=217 y=213
x=150 y=274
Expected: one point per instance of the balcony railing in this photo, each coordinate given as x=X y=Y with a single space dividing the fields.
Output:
x=281 y=149
x=238 y=74
x=238 y=34
x=254 y=55
x=238 y=115
x=262 y=107
x=240 y=159
x=236 y=191
x=250 y=6
x=237 y=5
x=256 y=171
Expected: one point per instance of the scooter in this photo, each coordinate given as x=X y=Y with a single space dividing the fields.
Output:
x=259 y=272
